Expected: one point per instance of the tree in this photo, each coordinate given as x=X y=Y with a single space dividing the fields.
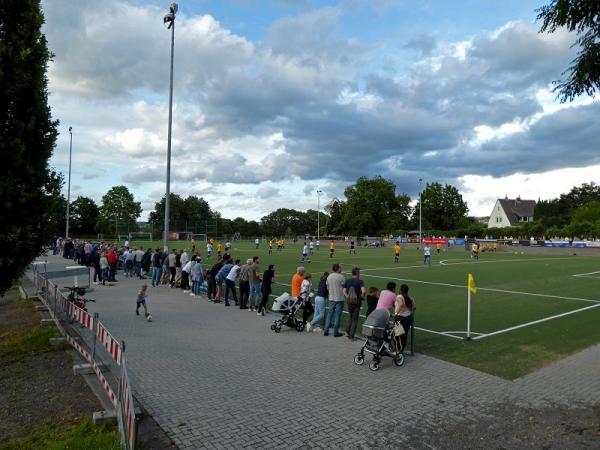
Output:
x=84 y=216
x=335 y=209
x=119 y=211
x=372 y=207
x=583 y=17
x=27 y=138
x=184 y=214
x=443 y=207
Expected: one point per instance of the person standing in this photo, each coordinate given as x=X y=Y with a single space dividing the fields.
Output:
x=352 y=249
x=318 y=244
x=96 y=265
x=320 y=300
x=230 y=282
x=171 y=259
x=208 y=249
x=210 y=278
x=397 y=252
x=245 y=284
x=311 y=247
x=137 y=261
x=335 y=288
x=305 y=292
x=304 y=252
x=265 y=288
x=404 y=313
x=297 y=282
x=112 y=264
x=157 y=264
x=354 y=291
x=254 y=278
x=427 y=255
x=128 y=263
x=256 y=243
x=146 y=263
x=331 y=248
x=270 y=246
x=185 y=276
x=196 y=276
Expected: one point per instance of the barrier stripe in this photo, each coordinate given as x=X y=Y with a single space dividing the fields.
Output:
x=109 y=342
x=105 y=384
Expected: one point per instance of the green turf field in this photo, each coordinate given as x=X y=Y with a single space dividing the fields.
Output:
x=513 y=321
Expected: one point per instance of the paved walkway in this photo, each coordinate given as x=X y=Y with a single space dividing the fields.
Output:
x=219 y=377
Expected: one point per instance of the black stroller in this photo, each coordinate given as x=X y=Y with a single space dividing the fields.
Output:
x=381 y=341
x=289 y=308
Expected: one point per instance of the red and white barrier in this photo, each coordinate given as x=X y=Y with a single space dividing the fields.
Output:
x=109 y=342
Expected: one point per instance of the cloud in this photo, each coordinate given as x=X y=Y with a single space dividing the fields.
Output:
x=308 y=104
x=423 y=43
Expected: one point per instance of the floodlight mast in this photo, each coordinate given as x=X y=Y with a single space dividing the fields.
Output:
x=170 y=19
x=69 y=184
x=420 y=209
x=319 y=192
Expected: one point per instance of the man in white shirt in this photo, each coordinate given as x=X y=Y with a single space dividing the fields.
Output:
x=427 y=255
x=208 y=249
x=304 y=252
x=311 y=246
x=256 y=242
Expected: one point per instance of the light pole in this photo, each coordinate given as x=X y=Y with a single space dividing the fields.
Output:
x=170 y=19
x=319 y=192
x=69 y=183
x=420 y=210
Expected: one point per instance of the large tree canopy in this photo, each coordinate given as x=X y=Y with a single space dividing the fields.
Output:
x=372 y=207
x=583 y=17
x=84 y=215
x=27 y=138
x=184 y=214
x=443 y=207
x=119 y=211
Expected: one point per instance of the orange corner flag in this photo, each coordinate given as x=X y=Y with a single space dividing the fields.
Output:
x=471 y=284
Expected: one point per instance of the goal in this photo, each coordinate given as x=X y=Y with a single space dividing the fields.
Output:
x=140 y=236
x=197 y=237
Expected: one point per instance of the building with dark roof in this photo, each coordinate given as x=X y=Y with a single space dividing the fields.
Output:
x=511 y=212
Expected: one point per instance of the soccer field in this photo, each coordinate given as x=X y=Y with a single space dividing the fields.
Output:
x=529 y=310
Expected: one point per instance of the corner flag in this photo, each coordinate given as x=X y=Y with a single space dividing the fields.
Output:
x=471 y=284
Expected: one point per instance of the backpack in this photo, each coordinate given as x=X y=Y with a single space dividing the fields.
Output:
x=352 y=298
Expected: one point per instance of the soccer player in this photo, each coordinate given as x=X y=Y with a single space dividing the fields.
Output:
x=427 y=255
x=397 y=251
x=208 y=250
x=270 y=246
x=305 y=252
x=193 y=245
x=331 y=248
x=352 y=250
x=318 y=244
x=219 y=249
x=228 y=247
x=311 y=247
x=475 y=250
x=438 y=247
x=256 y=242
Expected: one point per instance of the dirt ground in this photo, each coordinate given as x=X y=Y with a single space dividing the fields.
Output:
x=37 y=386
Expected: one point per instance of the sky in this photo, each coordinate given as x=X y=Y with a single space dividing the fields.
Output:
x=274 y=100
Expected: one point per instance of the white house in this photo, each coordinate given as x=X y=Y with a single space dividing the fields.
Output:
x=511 y=212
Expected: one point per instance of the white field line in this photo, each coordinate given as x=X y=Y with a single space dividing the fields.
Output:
x=487 y=289
x=586 y=275
x=523 y=325
x=448 y=262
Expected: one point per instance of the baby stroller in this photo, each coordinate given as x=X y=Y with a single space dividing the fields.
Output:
x=381 y=340
x=288 y=306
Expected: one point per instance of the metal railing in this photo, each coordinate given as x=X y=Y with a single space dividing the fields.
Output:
x=92 y=340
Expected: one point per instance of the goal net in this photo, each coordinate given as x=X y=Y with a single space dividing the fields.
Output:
x=197 y=237
x=140 y=236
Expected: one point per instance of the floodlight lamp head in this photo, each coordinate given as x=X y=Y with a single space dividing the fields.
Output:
x=70 y=129
x=169 y=18
x=173 y=8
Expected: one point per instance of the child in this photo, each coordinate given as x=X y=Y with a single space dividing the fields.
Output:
x=104 y=268
x=141 y=300
x=372 y=299
x=304 y=252
x=397 y=252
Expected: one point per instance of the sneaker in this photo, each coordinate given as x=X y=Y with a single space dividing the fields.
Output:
x=317 y=329
x=137 y=313
x=308 y=327
x=263 y=313
x=326 y=333
x=95 y=282
x=337 y=335
x=259 y=314
x=192 y=295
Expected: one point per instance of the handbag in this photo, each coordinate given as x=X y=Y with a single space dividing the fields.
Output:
x=398 y=329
